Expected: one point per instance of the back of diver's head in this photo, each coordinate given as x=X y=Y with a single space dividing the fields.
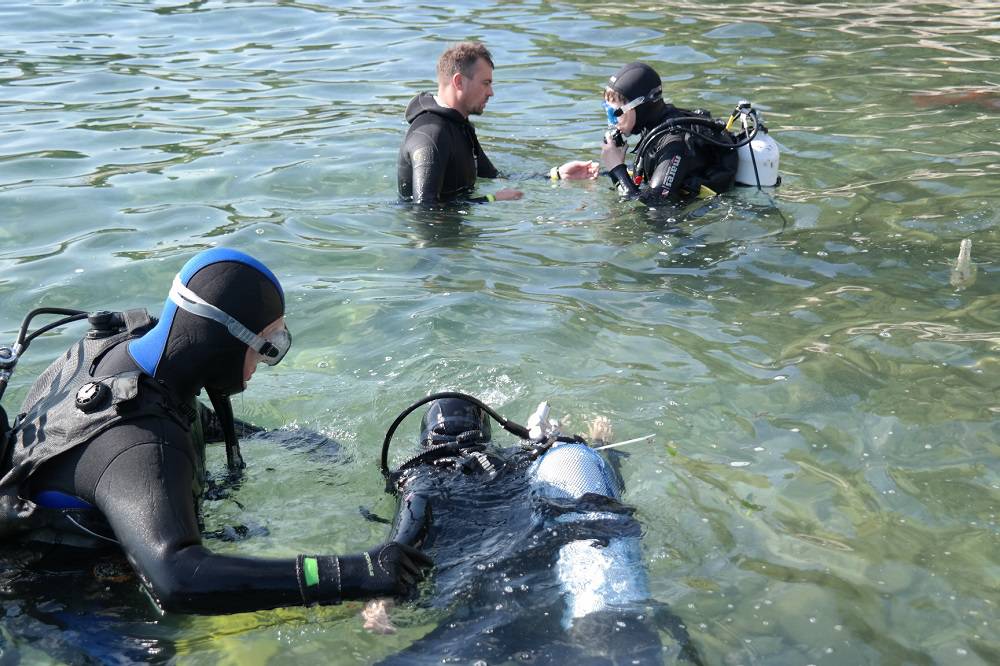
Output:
x=190 y=352
x=446 y=419
x=635 y=80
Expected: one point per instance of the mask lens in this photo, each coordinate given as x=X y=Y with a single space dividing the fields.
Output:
x=613 y=113
x=276 y=346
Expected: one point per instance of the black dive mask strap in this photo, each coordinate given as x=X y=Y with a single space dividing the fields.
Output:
x=436 y=439
x=224 y=410
x=509 y=426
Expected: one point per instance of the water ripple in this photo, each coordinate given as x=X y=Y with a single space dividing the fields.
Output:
x=823 y=398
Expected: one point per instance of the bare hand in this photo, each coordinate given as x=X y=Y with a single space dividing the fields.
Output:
x=600 y=430
x=612 y=155
x=579 y=170
x=376 y=617
x=508 y=194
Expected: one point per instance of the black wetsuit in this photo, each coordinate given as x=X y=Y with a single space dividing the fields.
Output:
x=495 y=568
x=144 y=477
x=678 y=162
x=134 y=458
x=440 y=158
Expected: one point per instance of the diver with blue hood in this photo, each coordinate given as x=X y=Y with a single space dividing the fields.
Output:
x=680 y=153
x=537 y=559
x=108 y=449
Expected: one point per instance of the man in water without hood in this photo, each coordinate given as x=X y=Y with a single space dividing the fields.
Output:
x=109 y=450
x=441 y=157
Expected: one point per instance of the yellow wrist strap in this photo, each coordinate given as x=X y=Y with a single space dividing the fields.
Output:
x=554 y=173
x=491 y=198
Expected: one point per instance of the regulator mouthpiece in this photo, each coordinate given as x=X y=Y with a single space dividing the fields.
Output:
x=615 y=136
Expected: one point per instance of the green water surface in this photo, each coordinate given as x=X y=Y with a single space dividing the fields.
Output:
x=823 y=487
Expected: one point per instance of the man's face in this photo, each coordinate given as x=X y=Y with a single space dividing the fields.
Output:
x=626 y=121
x=477 y=90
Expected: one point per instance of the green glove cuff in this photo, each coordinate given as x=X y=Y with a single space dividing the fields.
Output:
x=319 y=579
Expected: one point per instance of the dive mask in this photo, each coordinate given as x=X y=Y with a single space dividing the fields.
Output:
x=612 y=114
x=270 y=349
x=615 y=113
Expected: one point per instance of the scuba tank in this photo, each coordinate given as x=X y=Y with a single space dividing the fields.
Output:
x=756 y=153
x=759 y=157
x=595 y=574
x=763 y=151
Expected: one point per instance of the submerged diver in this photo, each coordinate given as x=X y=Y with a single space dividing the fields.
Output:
x=441 y=157
x=536 y=558
x=673 y=159
x=109 y=449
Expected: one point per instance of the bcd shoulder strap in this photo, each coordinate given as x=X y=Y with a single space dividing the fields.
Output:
x=4 y=437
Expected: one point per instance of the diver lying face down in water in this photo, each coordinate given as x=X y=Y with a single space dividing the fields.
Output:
x=108 y=450
x=537 y=560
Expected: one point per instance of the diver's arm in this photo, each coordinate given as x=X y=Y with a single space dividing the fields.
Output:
x=484 y=167
x=673 y=165
x=670 y=172
x=574 y=170
x=211 y=426
x=665 y=180
x=146 y=496
x=428 y=163
x=412 y=519
x=626 y=186
x=613 y=159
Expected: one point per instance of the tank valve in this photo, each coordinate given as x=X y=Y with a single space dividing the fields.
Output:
x=8 y=358
x=540 y=427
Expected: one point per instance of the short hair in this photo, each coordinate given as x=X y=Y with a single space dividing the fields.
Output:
x=462 y=57
x=614 y=97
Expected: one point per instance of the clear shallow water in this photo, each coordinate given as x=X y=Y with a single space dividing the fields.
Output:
x=824 y=484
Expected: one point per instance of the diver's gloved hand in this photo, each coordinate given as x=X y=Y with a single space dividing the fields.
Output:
x=392 y=569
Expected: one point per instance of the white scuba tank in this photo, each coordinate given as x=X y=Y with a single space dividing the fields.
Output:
x=758 y=160
x=764 y=151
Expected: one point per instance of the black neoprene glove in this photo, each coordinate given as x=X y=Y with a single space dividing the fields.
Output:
x=392 y=569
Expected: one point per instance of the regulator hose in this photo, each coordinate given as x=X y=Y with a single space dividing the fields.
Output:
x=69 y=316
x=513 y=428
x=9 y=356
x=674 y=123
